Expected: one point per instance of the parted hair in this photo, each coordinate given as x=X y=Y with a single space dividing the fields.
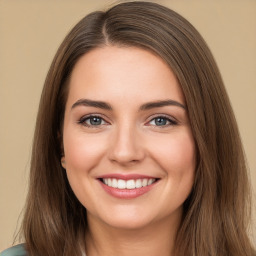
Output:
x=217 y=212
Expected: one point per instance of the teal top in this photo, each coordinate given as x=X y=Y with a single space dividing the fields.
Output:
x=17 y=250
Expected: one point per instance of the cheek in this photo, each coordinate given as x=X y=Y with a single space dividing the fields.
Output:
x=176 y=154
x=182 y=153
x=177 y=157
x=181 y=166
x=82 y=152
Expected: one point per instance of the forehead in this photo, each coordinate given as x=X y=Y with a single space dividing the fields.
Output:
x=123 y=73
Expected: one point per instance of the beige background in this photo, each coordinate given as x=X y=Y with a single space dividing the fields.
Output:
x=31 y=31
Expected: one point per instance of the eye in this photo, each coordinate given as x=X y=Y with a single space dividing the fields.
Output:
x=162 y=121
x=92 y=120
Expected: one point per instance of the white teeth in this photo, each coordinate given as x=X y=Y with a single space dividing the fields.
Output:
x=138 y=184
x=128 y=184
x=150 y=181
x=121 y=184
x=144 y=182
x=114 y=183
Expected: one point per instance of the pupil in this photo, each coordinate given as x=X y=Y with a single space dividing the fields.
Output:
x=95 y=121
x=160 y=121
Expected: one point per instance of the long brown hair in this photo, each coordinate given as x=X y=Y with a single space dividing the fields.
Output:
x=217 y=211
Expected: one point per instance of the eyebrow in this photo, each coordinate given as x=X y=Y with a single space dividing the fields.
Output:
x=161 y=103
x=145 y=106
x=92 y=103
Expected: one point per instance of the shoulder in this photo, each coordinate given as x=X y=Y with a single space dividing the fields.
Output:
x=17 y=250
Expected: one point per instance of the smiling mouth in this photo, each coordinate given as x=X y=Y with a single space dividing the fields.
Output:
x=128 y=184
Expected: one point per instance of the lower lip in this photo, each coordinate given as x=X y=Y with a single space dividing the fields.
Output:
x=127 y=193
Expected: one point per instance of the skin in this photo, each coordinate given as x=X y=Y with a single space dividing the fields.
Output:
x=128 y=141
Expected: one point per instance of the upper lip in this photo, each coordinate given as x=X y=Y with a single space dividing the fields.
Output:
x=129 y=176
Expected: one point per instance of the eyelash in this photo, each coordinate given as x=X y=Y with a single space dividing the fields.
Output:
x=167 y=118
x=83 y=120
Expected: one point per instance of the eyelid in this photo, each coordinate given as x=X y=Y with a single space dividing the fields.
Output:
x=85 y=117
x=172 y=120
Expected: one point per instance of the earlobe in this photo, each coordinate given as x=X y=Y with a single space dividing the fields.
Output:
x=63 y=162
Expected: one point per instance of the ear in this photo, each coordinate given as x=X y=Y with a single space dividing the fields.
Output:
x=63 y=162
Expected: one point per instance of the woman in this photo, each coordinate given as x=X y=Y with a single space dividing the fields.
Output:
x=136 y=148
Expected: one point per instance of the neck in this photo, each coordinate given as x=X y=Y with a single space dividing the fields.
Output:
x=156 y=239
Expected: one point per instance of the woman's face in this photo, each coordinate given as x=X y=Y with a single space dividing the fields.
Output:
x=128 y=148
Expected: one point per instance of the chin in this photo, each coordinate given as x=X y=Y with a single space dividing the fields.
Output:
x=124 y=223
x=123 y=217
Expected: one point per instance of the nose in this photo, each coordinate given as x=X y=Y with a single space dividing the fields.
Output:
x=126 y=147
